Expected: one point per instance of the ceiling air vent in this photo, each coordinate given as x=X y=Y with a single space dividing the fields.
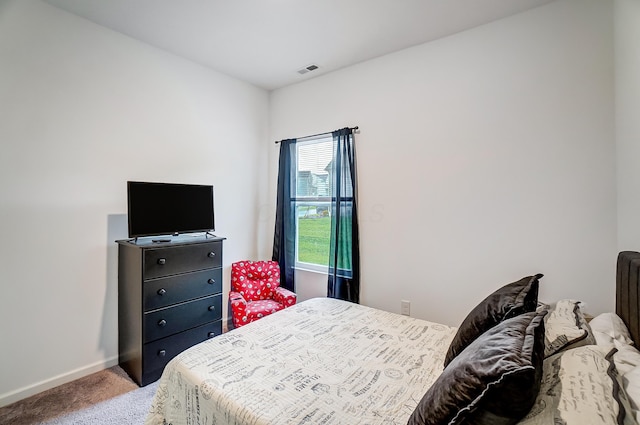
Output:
x=306 y=69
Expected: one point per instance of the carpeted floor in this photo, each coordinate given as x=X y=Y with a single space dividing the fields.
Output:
x=66 y=399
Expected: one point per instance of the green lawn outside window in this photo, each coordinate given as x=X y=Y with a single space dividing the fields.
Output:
x=313 y=240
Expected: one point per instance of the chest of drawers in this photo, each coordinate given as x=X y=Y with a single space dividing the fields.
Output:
x=169 y=298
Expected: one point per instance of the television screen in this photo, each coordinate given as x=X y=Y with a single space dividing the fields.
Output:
x=169 y=208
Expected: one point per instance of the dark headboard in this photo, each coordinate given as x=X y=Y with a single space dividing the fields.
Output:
x=627 y=301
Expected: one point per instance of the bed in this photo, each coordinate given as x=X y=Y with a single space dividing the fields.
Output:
x=326 y=361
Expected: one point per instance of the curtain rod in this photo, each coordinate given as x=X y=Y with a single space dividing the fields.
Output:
x=355 y=129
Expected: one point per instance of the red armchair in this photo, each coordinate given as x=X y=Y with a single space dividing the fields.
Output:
x=256 y=292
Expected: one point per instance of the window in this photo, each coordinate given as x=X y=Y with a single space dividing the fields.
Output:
x=316 y=212
x=312 y=199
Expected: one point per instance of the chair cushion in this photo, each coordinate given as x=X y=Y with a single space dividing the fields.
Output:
x=255 y=280
x=257 y=309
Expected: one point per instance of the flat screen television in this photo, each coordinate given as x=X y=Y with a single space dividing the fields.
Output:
x=169 y=208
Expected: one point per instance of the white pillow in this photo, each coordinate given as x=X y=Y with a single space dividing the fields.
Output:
x=608 y=327
x=580 y=387
x=631 y=384
x=627 y=362
x=566 y=327
x=626 y=358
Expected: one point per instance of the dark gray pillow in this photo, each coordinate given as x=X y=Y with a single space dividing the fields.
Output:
x=509 y=301
x=495 y=380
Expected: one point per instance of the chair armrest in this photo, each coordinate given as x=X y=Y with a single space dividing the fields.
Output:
x=238 y=308
x=284 y=296
x=237 y=300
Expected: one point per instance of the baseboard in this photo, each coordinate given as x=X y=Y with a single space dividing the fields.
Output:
x=28 y=391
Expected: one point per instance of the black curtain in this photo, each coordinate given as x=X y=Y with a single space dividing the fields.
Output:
x=344 y=261
x=284 y=237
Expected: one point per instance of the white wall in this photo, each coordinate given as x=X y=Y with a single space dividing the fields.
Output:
x=483 y=157
x=82 y=111
x=627 y=77
x=501 y=139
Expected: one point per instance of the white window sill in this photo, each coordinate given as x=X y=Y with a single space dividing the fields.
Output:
x=312 y=269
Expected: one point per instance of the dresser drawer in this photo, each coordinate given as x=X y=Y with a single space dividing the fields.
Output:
x=158 y=353
x=170 y=320
x=159 y=262
x=166 y=291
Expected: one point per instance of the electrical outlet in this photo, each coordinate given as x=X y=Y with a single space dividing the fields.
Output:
x=405 y=308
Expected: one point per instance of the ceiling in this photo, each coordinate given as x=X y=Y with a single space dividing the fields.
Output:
x=266 y=42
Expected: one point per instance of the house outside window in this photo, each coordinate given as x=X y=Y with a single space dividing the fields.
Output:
x=313 y=202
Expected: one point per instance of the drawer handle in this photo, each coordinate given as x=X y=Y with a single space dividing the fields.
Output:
x=162 y=353
x=162 y=291
x=212 y=254
x=211 y=281
x=212 y=334
x=162 y=261
x=212 y=308
x=162 y=322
